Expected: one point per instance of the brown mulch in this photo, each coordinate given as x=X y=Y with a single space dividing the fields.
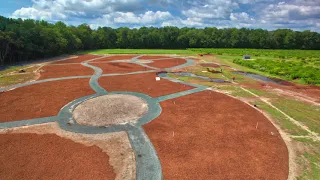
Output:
x=142 y=83
x=79 y=59
x=209 y=65
x=32 y=156
x=115 y=67
x=55 y=71
x=215 y=137
x=167 y=63
x=41 y=100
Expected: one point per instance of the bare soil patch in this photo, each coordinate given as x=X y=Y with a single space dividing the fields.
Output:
x=209 y=135
x=78 y=59
x=167 y=63
x=110 y=109
x=142 y=83
x=41 y=100
x=301 y=92
x=119 y=57
x=32 y=156
x=109 y=68
x=209 y=65
x=310 y=91
x=55 y=71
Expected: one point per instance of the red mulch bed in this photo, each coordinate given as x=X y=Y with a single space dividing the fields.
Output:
x=55 y=71
x=215 y=137
x=41 y=100
x=79 y=59
x=112 y=58
x=142 y=83
x=152 y=57
x=167 y=63
x=32 y=156
x=119 y=67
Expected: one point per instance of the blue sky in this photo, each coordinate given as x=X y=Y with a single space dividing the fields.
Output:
x=266 y=14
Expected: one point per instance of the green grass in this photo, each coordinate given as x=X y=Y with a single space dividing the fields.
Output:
x=300 y=66
x=241 y=93
x=284 y=122
x=228 y=60
x=192 y=80
x=138 y=51
x=15 y=79
x=313 y=172
x=300 y=70
x=260 y=52
x=300 y=111
x=12 y=69
x=262 y=93
x=199 y=70
x=310 y=160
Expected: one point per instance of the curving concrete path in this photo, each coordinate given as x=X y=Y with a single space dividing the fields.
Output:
x=148 y=165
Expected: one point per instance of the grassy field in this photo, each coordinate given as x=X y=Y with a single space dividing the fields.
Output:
x=300 y=66
x=11 y=69
x=298 y=70
x=15 y=79
x=10 y=75
x=138 y=51
x=260 y=52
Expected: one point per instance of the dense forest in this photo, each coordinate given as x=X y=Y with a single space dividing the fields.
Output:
x=23 y=40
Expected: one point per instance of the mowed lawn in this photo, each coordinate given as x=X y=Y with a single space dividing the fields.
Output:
x=139 y=51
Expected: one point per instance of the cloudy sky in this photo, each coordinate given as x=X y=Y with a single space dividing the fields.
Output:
x=266 y=14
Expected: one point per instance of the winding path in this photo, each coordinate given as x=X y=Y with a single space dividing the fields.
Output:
x=147 y=162
x=148 y=165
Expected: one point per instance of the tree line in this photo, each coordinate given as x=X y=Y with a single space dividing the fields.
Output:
x=23 y=40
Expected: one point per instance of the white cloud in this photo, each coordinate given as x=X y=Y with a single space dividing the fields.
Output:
x=211 y=9
x=33 y=13
x=148 y=17
x=117 y=19
x=296 y=14
x=49 y=9
x=285 y=11
x=241 y=17
x=189 y=22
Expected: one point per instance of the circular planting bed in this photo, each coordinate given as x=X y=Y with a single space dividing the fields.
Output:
x=110 y=109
